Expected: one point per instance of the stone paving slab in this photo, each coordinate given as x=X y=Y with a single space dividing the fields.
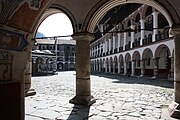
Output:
x=117 y=98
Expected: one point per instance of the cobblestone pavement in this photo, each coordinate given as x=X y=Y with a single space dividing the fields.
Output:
x=117 y=98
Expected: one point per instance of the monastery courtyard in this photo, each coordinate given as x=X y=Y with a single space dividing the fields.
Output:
x=117 y=98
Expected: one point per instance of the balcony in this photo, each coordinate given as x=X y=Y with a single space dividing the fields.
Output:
x=162 y=36
x=128 y=46
x=121 y=49
x=136 y=44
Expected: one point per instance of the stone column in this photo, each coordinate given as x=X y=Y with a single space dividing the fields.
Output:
x=114 y=67
x=132 y=38
x=125 y=68
x=156 y=67
x=109 y=67
x=119 y=68
x=83 y=83
x=94 y=66
x=125 y=39
x=174 y=108
x=99 y=67
x=172 y=67
x=114 y=43
x=109 y=45
x=106 y=68
x=132 y=68
x=142 y=68
x=28 y=72
x=155 y=25
x=119 y=41
x=97 y=49
x=104 y=47
x=142 y=21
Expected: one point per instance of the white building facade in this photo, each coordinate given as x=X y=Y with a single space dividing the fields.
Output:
x=148 y=51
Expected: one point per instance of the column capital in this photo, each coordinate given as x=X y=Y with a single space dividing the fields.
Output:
x=142 y=20
x=83 y=36
x=155 y=13
x=175 y=29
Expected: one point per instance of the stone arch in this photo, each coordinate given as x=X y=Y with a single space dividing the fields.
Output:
x=53 y=9
x=127 y=23
x=60 y=66
x=163 y=54
x=127 y=57
x=137 y=17
x=97 y=14
x=136 y=58
x=49 y=64
x=128 y=63
x=147 y=56
x=40 y=64
x=147 y=10
x=71 y=66
x=159 y=48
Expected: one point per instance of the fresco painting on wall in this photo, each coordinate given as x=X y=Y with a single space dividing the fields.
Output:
x=12 y=40
x=5 y=65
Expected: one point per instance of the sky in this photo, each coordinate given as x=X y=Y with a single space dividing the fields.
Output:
x=56 y=25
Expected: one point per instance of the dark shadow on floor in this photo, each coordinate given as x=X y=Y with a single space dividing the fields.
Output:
x=79 y=113
x=137 y=80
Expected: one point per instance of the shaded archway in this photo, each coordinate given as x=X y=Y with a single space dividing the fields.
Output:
x=71 y=66
x=163 y=56
x=50 y=65
x=60 y=66
x=147 y=56
x=39 y=66
x=121 y=65
x=128 y=63
x=137 y=60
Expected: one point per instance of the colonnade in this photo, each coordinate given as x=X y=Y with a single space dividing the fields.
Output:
x=107 y=44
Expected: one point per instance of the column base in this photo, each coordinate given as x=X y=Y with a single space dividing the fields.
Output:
x=31 y=92
x=174 y=110
x=132 y=75
x=154 y=77
x=141 y=75
x=83 y=100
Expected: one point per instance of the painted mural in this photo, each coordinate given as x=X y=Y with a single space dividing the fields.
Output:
x=8 y=7
x=5 y=65
x=12 y=40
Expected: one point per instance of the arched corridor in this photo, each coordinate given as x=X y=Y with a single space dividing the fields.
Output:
x=20 y=20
